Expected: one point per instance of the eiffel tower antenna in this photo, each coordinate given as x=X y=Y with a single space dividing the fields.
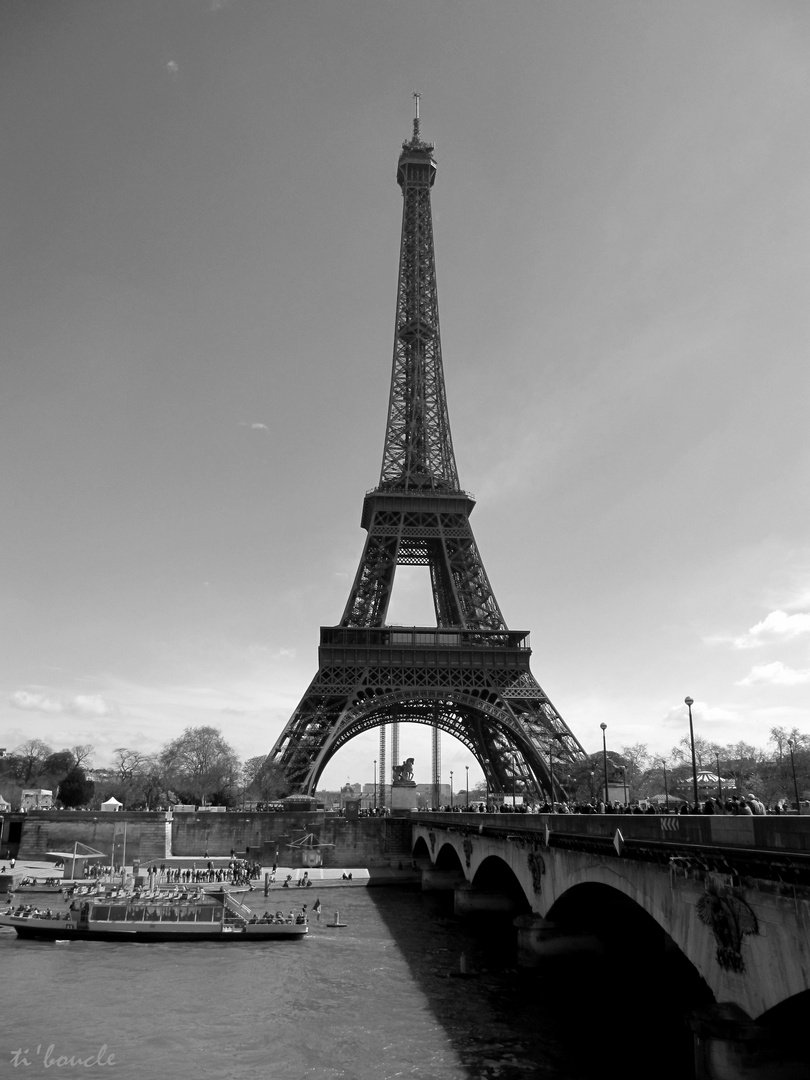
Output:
x=469 y=674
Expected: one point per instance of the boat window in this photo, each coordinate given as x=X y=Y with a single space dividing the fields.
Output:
x=99 y=912
x=118 y=912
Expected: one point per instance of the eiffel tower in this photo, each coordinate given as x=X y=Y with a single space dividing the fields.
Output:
x=469 y=675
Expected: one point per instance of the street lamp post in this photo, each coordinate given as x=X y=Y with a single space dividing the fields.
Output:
x=624 y=782
x=592 y=791
x=451 y=789
x=719 y=782
x=792 y=746
x=604 y=761
x=467 y=770
x=666 y=792
x=689 y=702
x=375 y=784
x=551 y=774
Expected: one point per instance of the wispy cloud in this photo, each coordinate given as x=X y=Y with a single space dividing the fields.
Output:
x=701 y=713
x=33 y=701
x=91 y=705
x=777 y=674
x=49 y=703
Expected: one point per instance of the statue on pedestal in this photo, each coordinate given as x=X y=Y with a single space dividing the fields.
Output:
x=403 y=773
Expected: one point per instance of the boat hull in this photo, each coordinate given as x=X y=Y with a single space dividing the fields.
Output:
x=59 y=930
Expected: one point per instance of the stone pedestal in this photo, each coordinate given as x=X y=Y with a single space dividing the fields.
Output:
x=467 y=900
x=441 y=880
x=539 y=941
x=729 y=1045
x=403 y=796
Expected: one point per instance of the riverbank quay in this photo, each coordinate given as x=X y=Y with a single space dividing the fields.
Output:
x=41 y=871
x=324 y=878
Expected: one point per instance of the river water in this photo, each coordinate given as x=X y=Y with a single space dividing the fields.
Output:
x=377 y=999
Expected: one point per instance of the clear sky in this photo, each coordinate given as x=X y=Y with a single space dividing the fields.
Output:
x=200 y=230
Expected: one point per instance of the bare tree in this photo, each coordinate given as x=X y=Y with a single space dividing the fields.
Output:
x=126 y=762
x=264 y=778
x=152 y=780
x=201 y=761
x=83 y=753
x=705 y=752
x=637 y=758
x=32 y=756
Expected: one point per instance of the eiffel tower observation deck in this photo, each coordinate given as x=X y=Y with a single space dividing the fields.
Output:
x=469 y=674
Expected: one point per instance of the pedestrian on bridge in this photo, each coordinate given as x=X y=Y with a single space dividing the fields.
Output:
x=756 y=806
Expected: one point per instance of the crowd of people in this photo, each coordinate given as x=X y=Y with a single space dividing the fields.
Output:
x=279 y=917
x=748 y=805
x=237 y=872
x=304 y=882
x=28 y=911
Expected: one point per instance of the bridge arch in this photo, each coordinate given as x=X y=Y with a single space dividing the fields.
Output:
x=421 y=852
x=447 y=858
x=478 y=717
x=494 y=874
x=632 y=938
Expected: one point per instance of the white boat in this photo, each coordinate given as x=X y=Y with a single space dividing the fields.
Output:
x=193 y=917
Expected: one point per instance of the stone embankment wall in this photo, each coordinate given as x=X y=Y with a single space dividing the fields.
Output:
x=365 y=842
x=147 y=834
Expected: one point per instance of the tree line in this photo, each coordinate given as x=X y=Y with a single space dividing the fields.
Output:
x=774 y=774
x=201 y=767
x=198 y=767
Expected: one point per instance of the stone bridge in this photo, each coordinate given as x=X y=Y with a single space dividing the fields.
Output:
x=729 y=894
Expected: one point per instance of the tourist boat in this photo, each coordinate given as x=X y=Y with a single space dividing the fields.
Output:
x=193 y=917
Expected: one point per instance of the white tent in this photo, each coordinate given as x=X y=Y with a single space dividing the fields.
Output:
x=111 y=804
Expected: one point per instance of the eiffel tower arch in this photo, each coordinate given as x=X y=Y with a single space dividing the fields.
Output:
x=468 y=675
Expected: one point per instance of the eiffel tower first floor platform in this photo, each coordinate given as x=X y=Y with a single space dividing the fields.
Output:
x=473 y=684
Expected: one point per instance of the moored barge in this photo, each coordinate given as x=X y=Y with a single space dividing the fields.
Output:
x=198 y=917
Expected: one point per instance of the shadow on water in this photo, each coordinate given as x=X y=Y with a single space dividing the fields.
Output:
x=574 y=1018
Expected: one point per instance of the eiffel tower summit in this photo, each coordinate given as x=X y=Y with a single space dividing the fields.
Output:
x=469 y=674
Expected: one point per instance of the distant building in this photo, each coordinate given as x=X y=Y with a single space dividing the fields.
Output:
x=36 y=799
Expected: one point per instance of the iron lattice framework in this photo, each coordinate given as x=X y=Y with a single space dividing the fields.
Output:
x=469 y=675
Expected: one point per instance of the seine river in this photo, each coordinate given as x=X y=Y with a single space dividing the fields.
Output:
x=377 y=999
